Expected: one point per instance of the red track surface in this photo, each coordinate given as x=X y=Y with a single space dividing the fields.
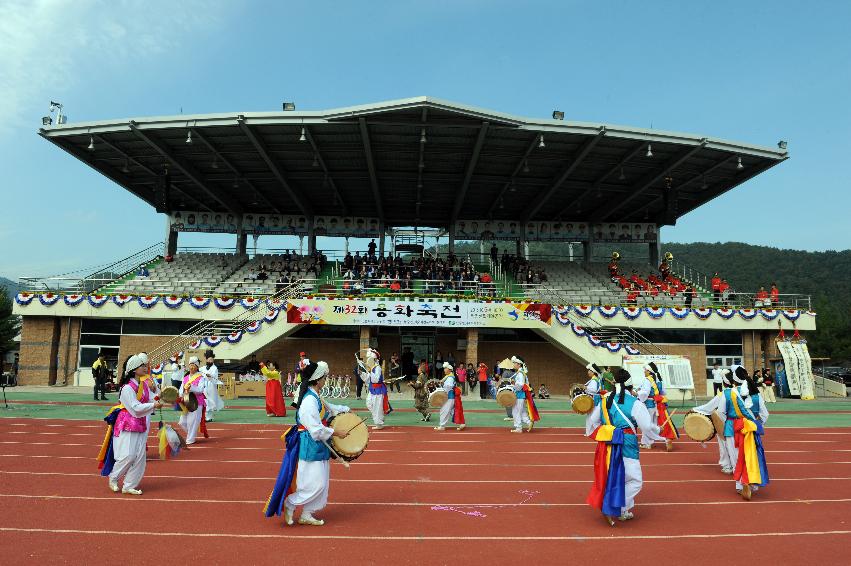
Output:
x=419 y=497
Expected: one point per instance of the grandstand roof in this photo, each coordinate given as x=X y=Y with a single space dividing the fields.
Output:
x=415 y=161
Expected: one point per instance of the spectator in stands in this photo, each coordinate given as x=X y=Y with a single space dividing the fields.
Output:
x=461 y=377
x=371 y=246
x=761 y=298
x=253 y=365
x=395 y=286
x=774 y=295
x=543 y=392
x=494 y=254
x=690 y=294
x=664 y=268
x=632 y=295
x=471 y=377
x=143 y=272
x=724 y=289
x=716 y=291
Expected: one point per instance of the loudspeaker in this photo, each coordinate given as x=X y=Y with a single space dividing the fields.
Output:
x=670 y=214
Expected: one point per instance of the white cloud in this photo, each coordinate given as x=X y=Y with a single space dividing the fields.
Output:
x=43 y=41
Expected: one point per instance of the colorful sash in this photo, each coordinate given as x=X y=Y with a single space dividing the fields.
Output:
x=668 y=429
x=751 y=467
x=531 y=408
x=381 y=389
x=458 y=410
x=608 y=494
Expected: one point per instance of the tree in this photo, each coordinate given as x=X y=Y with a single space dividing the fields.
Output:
x=10 y=325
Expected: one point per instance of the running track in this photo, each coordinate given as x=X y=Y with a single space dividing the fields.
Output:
x=419 y=497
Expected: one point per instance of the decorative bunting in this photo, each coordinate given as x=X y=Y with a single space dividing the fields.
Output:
x=769 y=314
x=213 y=341
x=632 y=351
x=702 y=313
x=234 y=337
x=655 y=312
x=199 y=302
x=613 y=347
x=584 y=310
x=747 y=314
x=254 y=326
x=48 y=299
x=122 y=300
x=726 y=314
x=224 y=303
x=271 y=315
x=173 y=301
x=631 y=312
x=561 y=314
x=608 y=311
x=250 y=303
x=578 y=330
x=157 y=369
x=74 y=300
x=195 y=345
x=98 y=300
x=148 y=302
x=24 y=299
x=679 y=312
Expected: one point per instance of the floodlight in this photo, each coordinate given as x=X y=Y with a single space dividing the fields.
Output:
x=289 y=106
x=558 y=115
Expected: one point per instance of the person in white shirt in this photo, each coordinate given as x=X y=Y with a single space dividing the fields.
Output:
x=447 y=410
x=194 y=382
x=211 y=387
x=717 y=379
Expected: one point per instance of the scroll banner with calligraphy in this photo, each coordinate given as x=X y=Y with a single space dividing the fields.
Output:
x=418 y=313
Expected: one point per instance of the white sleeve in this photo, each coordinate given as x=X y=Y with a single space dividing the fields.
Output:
x=763 y=410
x=135 y=407
x=308 y=415
x=593 y=420
x=337 y=409
x=645 y=423
x=592 y=387
x=519 y=381
x=375 y=375
x=449 y=383
x=711 y=405
x=644 y=391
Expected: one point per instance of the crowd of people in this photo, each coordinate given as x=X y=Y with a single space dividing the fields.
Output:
x=288 y=269
x=519 y=267
x=663 y=283
x=449 y=274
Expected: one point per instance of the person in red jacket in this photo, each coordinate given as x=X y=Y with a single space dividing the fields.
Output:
x=761 y=297
x=716 y=292
x=774 y=295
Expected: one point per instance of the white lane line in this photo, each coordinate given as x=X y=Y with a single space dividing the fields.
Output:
x=417 y=503
x=418 y=480
x=422 y=538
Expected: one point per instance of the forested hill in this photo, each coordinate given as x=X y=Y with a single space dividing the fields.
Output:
x=824 y=275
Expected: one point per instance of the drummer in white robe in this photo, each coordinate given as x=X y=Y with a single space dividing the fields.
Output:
x=314 y=465
x=519 y=412
x=376 y=389
x=448 y=385
x=211 y=388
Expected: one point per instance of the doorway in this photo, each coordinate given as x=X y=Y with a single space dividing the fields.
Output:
x=421 y=342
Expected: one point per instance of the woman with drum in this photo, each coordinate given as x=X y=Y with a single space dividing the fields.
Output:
x=421 y=393
x=453 y=408
x=191 y=420
x=123 y=452
x=614 y=424
x=524 y=413
x=305 y=470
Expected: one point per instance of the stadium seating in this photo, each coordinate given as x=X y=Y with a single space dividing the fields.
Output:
x=186 y=274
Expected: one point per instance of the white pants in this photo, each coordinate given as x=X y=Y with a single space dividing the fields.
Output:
x=312 y=479
x=725 y=460
x=654 y=417
x=375 y=404
x=768 y=394
x=214 y=401
x=521 y=416
x=129 y=450
x=732 y=454
x=634 y=481
x=446 y=412
x=191 y=422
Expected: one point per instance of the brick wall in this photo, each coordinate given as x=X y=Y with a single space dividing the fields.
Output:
x=547 y=364
x=696 y=353
x=130 y=345
x=68 y=349
x=338 y=353
x=39 y=341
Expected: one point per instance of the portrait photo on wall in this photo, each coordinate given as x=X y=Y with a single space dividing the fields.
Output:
x=203 y=221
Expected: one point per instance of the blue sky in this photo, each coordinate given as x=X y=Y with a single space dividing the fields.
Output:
x=754 y=72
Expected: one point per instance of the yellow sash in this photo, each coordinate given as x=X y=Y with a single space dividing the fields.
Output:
x=748 y=442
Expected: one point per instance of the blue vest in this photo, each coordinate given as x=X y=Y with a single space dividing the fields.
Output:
x=731 y=411
x=630 y=441
x=650 y=403
x=310 y=450
x=521 y=394
x=757 y=404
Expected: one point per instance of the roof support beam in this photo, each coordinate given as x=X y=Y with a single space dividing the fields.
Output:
x=186 y=169
x=261 y=148
x=686 y=183
x=199 y=205
x=197 y=135
x=370 y=163
x=331 y=183
x=519 y=166
x=595 y=186
x=604 y=212
x=575 y=162
x=468 y=174
x=745 y=175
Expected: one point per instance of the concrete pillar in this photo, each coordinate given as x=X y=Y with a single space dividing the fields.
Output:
x=365 y=335
x=171 y=243
x=586 y=252
x=452 y=239
x=381 y=240
x=526 y=250
x=654 y=253
x=472 y=353
x=311 y=238
x=242 y=243
x=346 y=248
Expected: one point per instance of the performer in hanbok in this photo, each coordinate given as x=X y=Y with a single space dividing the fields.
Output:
x=192 y=421
x=652 y=393
x=211 y=387
x=275 y=406
x=617 y=470
x=594 y=385
x=421 y=393
x=377 y=400
x=524 y=412
x=453 y=408
x=742 y=434
x=305 y=472
x=123 y=452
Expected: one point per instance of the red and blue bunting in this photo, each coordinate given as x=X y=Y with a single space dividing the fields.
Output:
x=613 y=347
x=792 y=315
x=213 y=341
x=632 y=351
x=726 y=314
x=276 y=303
x=250 y=303
x=224 y=303
x=254 y=326
x=98 y=301
x=578 y=330
x=157 y=369
x=199 y=302
x=747 y=314
x=271 y=315
x=122 y=300
x=74 y=300
x=195 y=345
x=593 y=339
x=702 y=313
x=679 y=312
x=562 y=315
x=48 y=299
x=584 y=310
x=631 y=312
x=173 y=301
x=608 y=311
x=769 y=314
x=24 y=299
x=234 y=337
x=655 y=312
x=148 y=302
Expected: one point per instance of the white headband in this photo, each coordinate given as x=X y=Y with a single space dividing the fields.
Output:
x=136 y=361
x=321 y=371
x=447 y=365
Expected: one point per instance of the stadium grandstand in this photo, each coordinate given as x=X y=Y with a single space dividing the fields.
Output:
x=410 y=222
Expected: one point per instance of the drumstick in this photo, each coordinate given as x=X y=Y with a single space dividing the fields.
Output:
x=357 y=425
x=671 y=414
x=334 y=452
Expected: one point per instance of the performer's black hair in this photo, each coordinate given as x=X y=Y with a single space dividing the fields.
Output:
x=621 y=377
x=126 y=376
x=306 y=374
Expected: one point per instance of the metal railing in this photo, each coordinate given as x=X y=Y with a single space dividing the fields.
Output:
x=622 y=335
x=419 y=287
x=206 y=328
x=91 y=279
